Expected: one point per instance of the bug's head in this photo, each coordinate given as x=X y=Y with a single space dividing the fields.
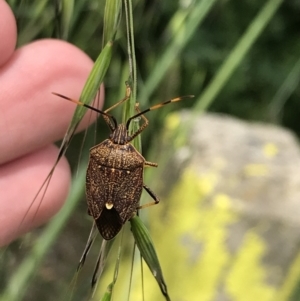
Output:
x=119 y=135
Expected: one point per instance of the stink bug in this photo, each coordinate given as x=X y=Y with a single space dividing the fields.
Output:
x=114 y=178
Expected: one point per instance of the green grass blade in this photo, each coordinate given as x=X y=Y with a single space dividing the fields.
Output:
x=92 y=86
x=112 y=16
x=109 y=290
x=31 y=30
x=284 y=92
x=237 y=54
x=66 y=17
x=108 y=294
x=189 y=20
x=147 y=250
x=104 y=251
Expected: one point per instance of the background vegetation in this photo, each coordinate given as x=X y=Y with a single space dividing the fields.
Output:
x=238 y=57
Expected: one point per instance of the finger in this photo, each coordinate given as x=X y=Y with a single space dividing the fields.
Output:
x=31 y=117
x=8 y=32
x=25 y=176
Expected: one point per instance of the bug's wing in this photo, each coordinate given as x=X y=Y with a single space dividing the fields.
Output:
x=109 y=223
x=101 y=188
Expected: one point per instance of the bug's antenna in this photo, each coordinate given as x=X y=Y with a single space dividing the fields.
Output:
x=155 y=107
x=89 y=107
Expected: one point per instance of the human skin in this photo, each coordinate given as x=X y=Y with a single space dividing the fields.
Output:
x=31 y=119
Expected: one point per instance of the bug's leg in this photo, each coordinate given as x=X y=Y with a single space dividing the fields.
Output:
x=151 y=164
x=153 y=195
x=88 y=245
x=126 y=97
x=142 y=127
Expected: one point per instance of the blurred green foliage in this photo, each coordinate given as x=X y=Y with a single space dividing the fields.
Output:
x=249 y=93
x=264 y=86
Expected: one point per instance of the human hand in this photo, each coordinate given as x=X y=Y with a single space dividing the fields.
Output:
x=31 y=119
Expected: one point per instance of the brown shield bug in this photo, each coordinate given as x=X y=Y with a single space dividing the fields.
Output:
x=114 y=178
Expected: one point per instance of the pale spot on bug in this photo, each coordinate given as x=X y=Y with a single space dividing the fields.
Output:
x=109 y=206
